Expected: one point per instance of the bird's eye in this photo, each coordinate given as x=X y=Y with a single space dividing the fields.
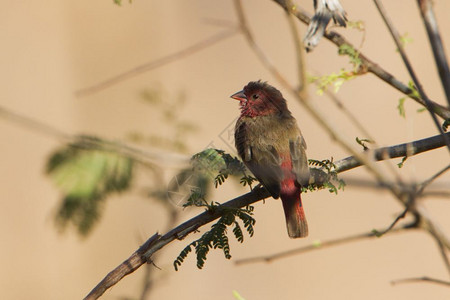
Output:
x=255 y=96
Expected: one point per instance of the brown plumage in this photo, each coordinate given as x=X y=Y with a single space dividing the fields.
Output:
x=271 y=145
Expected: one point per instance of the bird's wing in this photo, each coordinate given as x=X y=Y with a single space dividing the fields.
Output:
x=265 y=164
x=300 y=167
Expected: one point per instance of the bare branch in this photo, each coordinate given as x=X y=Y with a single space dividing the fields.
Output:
x=301 y=72
x=401 y=150
x=429 y=20
x=442 y=243
x=410 y=69
x=397 y=219
x=144 y=157
x=157 y=63
x=127 y=267
x=427 y=182
x=313 y=247
x=251 y=40
x=427 y=279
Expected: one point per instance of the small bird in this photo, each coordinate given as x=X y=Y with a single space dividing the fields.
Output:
x=272 y=147
x=325 y=10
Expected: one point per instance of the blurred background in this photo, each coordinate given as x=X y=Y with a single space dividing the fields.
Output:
x=49 y=51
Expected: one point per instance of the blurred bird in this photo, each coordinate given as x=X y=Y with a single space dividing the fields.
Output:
x=271 y=145
x=325 y=10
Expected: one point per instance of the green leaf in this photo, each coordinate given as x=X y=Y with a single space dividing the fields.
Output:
x=119 y=2
x=363 y=142
x=352 y=53
x=237 y=296
x=317 y=243
x=405 y=39
x=400 y=164
x=420 y=110
x=414 y=92
x=85 y=176
x=401 y=106
x=335 y=80
x=330 y=168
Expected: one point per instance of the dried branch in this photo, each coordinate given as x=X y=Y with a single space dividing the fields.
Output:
x=429 y=20
x=157 y=63
x=408 y=65
x=318 y=246
x=427 y=182
x=144 y=157
x=130 y=265
x=255 y=47
x=427 y=279
x=401 y=150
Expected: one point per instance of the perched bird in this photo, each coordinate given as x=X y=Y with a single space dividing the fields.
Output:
x=271 y=145
x=325 y=10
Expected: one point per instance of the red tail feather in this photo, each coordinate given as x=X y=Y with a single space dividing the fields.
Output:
x=295 y=216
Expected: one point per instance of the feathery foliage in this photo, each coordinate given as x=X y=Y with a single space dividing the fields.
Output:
x=216 y=237
x=86 y=173
x=217 y=166
x=330 y=168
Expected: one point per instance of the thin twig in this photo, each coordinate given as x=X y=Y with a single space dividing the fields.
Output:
x=251 y=40
x=157 y=63
x=427 y=182
x=149 y=268
x=299 y=51
x=144 y=157
x=340 y=104
x=410 y=69
x=426 y=279
x=401 y=150
x=429 y=20
x=441 y=245
x=398 y=218
x=315 y=246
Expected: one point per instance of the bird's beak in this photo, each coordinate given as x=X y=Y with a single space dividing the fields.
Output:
x=239 y=96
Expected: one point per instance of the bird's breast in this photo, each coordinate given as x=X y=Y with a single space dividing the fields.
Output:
x=264 y=132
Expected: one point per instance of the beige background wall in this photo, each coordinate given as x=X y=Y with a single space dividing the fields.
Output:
x=52 y=48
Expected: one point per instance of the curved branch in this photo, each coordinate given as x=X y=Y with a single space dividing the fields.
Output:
x=157 y=242
x=425 y=279
x=317 y=246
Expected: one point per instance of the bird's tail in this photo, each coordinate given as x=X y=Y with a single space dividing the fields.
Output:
x=296 y=224
x=325 y=11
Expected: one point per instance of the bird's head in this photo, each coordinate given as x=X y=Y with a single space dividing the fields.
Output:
x=260 y=99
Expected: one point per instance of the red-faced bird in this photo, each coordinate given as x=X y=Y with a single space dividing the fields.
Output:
x=272 y=147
